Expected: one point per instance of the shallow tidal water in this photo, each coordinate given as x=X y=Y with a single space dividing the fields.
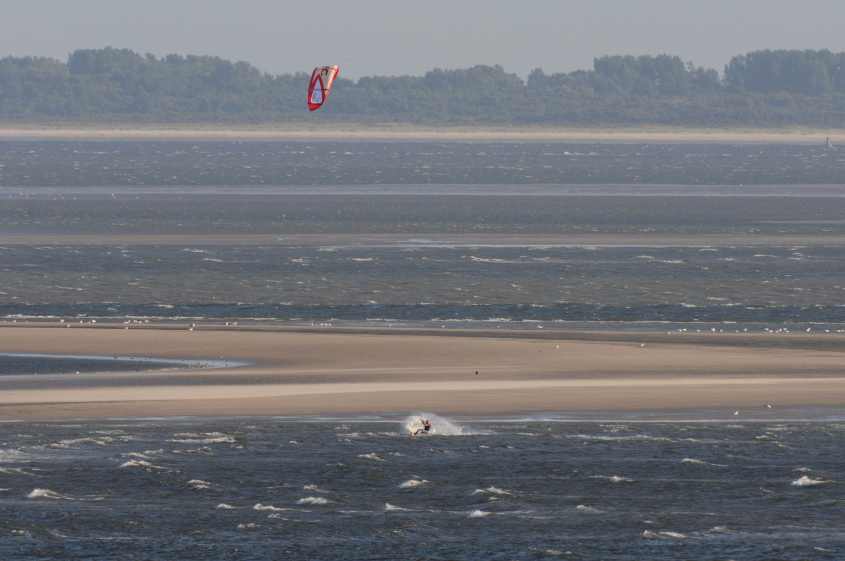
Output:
x=361 y=489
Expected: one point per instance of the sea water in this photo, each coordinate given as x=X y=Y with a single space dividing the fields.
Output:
x=344 y=489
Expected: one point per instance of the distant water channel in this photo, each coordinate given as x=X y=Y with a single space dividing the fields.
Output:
x=12 y=364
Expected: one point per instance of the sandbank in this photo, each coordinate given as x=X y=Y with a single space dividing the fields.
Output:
x=326 y=131
x=340 y=373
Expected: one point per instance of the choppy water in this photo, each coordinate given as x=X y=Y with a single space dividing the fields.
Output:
x=357 y=489
x=396 y=162
x=428 y=282
x=450 y=253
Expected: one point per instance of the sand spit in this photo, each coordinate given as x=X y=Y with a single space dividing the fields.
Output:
x=293 y=373
x=387 y=132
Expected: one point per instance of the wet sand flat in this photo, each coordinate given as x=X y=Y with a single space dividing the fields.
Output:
x=294 y=373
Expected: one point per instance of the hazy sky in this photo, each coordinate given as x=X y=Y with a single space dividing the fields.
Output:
x=402 y=37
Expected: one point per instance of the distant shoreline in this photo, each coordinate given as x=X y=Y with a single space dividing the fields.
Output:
x=303 y=131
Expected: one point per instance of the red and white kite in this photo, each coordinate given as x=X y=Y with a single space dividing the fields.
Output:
x=320 y=85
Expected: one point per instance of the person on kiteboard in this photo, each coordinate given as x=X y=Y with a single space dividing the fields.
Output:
x=425 y=429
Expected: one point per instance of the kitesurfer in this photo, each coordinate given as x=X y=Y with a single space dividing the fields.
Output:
x=425 y=429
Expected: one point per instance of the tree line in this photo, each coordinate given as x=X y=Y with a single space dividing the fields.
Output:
x=763 y=88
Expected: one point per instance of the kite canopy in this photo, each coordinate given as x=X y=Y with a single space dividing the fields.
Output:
x=320 y=85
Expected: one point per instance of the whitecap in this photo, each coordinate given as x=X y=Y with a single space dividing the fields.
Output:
x=143 y=464
x=648 y=534
x=805 y=481
x=588 y=509
x=199 y=484
x=138 y=455
x=261 y=508
x=313 y=489
x=412 y=483
x=201 y=451
x=45 y=494
x=313 y=501
x=622 y=438
x=224 y=506
x=393 y=508
x=371 y=456
x=492 y=491
x=203 y=438
x=700 y=462
x=53 y=495
x=99 y=441
x=479 y=514
x=613 y=478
